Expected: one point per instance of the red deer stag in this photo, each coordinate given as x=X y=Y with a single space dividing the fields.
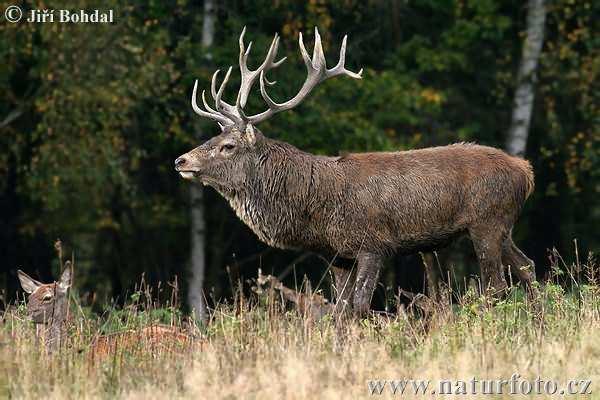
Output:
x=362 y=207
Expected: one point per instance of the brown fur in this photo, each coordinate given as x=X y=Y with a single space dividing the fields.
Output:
x=367 y=206
x=310 y=304
x=358 y=206
x=48 y=306
x=156 y=339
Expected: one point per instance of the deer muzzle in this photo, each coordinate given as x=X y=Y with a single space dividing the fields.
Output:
x=184 y=166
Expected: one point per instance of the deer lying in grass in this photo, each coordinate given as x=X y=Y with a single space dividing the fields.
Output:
x=358 y=207
x=48 y=307
x=313 y=305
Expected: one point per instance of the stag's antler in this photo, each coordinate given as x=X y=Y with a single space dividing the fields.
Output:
x=228 y=114
x=317 y=73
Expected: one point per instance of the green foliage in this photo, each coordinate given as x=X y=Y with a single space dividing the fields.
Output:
x=104 y=110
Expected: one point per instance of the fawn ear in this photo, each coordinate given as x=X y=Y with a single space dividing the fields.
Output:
x=65 y=278
x=28 y=284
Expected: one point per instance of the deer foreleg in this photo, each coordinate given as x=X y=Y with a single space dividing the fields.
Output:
x=367 y=276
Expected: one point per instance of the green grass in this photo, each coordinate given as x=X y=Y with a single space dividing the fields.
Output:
x=258 y=348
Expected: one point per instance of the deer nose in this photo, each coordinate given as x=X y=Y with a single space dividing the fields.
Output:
x=180 y=162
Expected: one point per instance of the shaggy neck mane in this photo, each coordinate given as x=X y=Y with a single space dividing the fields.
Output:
x=275 y=197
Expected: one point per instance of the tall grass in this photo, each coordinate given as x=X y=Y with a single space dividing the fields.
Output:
x=258 y=348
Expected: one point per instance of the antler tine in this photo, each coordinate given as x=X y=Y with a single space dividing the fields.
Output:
x=318 y=58
x=221 y=106
x=227 y=114
x=206 y=103
x=272 y=105
x=213 y=91
x=340 y=68
x=316 y=72
x=218 y=103
x=303 y=51
x=221 y=119
x=213 y=84
x=249 y=76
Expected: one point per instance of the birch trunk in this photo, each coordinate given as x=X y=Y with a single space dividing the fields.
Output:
x=524 y=94
x=196 y=299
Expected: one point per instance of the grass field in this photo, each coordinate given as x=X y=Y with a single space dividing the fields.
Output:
x=257 y=348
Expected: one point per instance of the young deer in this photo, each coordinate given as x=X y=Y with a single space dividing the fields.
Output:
x=48 y=307
x=358 y=208
x=312 y=305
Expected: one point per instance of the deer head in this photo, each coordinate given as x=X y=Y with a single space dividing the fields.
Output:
x=47 y=302
x=225 y=161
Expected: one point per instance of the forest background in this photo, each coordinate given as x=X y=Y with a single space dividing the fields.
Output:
x=92 y=117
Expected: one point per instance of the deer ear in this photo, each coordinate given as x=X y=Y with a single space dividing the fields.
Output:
x=250 y=134
x=65 y=278
x=28 y=284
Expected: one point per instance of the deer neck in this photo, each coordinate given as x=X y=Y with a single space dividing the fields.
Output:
x=275 y=197
x=53 y=332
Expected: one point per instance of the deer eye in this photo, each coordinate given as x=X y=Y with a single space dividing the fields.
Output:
x=227 y=147
x=47 y=297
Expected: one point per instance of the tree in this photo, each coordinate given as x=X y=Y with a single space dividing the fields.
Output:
x=105 y=111
x=198 y=220
x=524 y=95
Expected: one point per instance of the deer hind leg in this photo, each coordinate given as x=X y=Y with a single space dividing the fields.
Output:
x=522 y=266
x=487 y=241
x=367 y=276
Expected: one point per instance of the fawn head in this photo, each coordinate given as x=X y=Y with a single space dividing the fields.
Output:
x=46 y=301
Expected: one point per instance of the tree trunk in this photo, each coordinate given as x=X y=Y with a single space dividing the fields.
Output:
x=196 y=298
x=524 y=94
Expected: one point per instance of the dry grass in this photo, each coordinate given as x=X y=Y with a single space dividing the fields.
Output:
x=256 y=349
